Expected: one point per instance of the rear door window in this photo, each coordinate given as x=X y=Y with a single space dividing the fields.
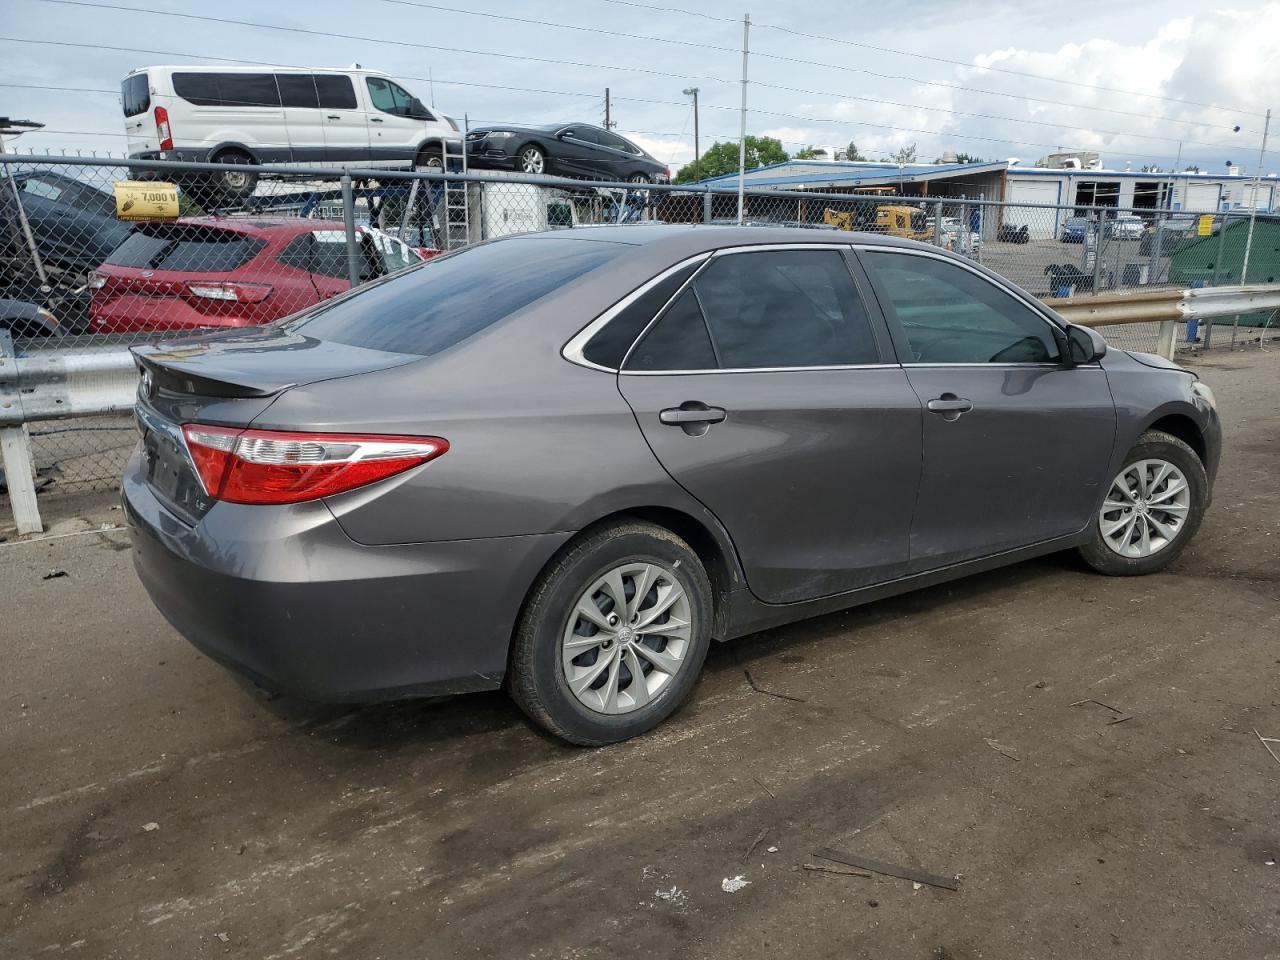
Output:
x=135 y=94
x=785 y=308
x=678 y=341
x=336 y=92
x=433 y=307
x=610 y=345
x=298 y=90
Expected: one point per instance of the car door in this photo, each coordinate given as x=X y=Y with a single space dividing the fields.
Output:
x=1016 y=442
x=617 y=162
x=577 y=151
x=394 y=133
x=346 y=124
x=302 y=117
x=765 y=390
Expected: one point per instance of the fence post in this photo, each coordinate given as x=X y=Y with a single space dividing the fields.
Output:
x=937 y=223
x=1168 y=335
x=706 y=206
x=1097 y=252
x=15 y=449
x=1217 y=268
x=349 y=221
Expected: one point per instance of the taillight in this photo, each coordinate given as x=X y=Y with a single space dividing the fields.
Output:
x=231 y=292
x=162 y=129
x=269 y=466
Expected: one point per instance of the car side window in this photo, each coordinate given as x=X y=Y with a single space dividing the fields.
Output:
x=298 y=90
x=610 y=345
x=612 y=141
x=335 y=92
x=298 y=253
x=584 y=134
x=678 y=341
x=390 y=97
x=952 y=315
x=785 y=308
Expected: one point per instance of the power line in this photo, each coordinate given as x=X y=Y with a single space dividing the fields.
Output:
x=923 y=56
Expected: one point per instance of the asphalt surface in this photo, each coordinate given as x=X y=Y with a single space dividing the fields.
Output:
x=1080 y=751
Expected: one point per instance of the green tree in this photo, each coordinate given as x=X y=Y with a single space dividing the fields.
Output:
x=806 y=153
x=722 y=158
x=967 y=158
x=1151 y=168
x=851 y=153
x=905 y=155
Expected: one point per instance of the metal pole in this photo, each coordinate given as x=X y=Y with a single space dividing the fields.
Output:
x=697 y=147
x=23 y=223
x=608 y=123
x=1253 y=200
x=742 y=130
x=1096 y=217
x=1217 y=268
x=349 y=222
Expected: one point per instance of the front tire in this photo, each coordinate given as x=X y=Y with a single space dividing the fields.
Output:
x=613 y=635
x=531 y=159
x=1151 y=510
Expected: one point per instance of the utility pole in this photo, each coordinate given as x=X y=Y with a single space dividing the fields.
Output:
x=1253 y=200
x=697 y=149
x=742 y=130
x=609 y=123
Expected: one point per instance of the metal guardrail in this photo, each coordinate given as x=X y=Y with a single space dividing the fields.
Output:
x=58 y=386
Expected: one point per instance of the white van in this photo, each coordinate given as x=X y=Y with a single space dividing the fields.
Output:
x=317 y=118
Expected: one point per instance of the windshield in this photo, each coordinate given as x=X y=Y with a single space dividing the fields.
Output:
x=426 y=310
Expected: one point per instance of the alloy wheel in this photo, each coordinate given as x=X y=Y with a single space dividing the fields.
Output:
x=1145 y=509
x=626 y=638
x=531 y=160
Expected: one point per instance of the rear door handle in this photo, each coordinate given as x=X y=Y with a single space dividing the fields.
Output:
x=334 y=116
x=375 y=119
x=691 y=414
x=949 y=406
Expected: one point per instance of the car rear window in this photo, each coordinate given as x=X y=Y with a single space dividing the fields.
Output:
x=189 y=249
x=135 y=94
x=445 y=301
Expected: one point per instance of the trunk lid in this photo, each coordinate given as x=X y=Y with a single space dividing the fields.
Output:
x=226 y=380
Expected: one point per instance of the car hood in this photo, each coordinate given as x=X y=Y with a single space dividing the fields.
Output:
x=1159 y=362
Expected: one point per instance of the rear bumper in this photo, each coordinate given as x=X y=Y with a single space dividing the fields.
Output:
x=282 y=595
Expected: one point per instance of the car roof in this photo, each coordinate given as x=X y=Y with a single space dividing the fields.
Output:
x=711 y=236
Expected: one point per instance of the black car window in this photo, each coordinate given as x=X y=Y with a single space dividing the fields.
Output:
x=584 y=134
x=184 y=248
x=329 y=256
x=785 y=308
x=610 y=345
x=952 y=315
x=612 y=141
x=336 y=91
x=678 y=341
x=135 y=94
x=436 y=306
x=227 y=89
x=298 y=90
x=298 y=253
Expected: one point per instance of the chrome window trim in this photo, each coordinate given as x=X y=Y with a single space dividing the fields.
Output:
x=572 y=351
x=715 y=370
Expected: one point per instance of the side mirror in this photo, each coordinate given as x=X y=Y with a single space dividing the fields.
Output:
x=1084 y=345
x=567 y=132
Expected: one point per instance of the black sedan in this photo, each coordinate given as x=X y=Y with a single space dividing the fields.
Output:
x=73 y=223
x=568 y=149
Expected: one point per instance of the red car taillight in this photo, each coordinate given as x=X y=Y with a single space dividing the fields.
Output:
x=162 y=129
x=231 y=292
x=269 y=466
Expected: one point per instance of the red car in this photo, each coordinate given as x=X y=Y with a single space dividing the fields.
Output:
x=230 y=272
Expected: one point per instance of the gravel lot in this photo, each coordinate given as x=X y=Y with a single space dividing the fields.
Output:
x=154 y=806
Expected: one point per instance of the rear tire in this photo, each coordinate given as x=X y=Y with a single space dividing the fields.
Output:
x=1151 y=509
x=601 y=677
x=235 y=184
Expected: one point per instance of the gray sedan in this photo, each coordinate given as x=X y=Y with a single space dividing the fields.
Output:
x=566 y=462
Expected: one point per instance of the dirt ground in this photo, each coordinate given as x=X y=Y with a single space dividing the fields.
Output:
x=152 y=806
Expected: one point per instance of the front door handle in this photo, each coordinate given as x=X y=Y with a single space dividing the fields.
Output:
x=689 y=413
x=375 y=119
x=333 y=116
x=949 y=406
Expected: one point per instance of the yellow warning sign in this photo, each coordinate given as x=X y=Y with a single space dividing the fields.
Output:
x=146 y=200
x=1205 y=227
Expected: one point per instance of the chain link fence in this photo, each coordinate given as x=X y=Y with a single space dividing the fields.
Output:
x=254 y=244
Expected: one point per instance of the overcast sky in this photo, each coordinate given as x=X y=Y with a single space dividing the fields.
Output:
x=1225 y=60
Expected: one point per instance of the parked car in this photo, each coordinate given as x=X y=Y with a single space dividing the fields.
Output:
x=231 y=272
x=1172 y=231
x=73 y=223
x=635 y=441
x=249 y=115
x=1074 y=229
x=1126 y=227
x=960 y=238
x=567 y=149
x=1009 y=233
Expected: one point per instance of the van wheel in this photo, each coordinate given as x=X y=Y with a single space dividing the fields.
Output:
x=431 y=159
x=613 y=636
x=237 y=184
